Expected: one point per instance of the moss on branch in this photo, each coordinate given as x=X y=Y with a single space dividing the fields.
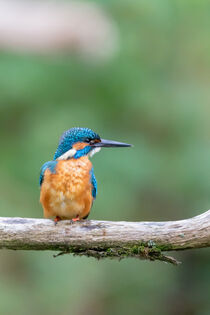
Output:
x=141 y=251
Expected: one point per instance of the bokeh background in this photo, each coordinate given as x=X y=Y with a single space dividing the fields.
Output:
x=136 y=71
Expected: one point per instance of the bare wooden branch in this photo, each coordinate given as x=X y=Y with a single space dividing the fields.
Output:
x=100 y=239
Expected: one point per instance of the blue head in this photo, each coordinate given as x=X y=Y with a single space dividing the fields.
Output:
x=78 y=142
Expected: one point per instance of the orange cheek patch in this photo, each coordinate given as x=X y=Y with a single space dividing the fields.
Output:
x=80 y=145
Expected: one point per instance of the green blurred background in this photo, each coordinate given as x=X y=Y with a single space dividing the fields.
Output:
x=153 y=92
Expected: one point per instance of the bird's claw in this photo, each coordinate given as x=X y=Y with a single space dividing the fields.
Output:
x=72 y=221
x=56 y=220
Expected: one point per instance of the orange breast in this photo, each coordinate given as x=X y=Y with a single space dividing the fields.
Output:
x=68 y=192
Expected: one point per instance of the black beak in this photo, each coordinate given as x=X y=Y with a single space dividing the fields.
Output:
x=110 y=144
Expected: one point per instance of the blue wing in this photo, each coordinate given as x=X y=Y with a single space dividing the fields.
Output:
x=94 y=184
x=51 y=165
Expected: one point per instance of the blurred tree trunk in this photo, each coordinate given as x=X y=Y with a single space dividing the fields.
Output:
x=43 y=27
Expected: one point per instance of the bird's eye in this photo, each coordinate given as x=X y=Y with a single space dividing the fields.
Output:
x=90 y=141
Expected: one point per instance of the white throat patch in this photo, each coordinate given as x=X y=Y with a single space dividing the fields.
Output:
x=94 y=151
x=67 y=155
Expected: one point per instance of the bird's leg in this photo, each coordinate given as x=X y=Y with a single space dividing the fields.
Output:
x=57 y=218
x=75 y=219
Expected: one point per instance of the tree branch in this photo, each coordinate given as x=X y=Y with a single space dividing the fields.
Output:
x=100 y=239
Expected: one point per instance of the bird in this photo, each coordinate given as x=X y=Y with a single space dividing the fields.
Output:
x=68 y=185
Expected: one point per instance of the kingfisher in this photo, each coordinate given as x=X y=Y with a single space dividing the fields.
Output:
x=68 y=185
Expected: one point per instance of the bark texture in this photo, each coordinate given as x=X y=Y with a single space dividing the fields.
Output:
x=101 y=239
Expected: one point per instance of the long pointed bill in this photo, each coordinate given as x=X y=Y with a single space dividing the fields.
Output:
x=110 y=144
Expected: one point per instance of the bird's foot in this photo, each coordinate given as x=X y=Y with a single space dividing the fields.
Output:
x=57 y=219
x=74 y=219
